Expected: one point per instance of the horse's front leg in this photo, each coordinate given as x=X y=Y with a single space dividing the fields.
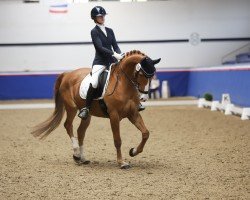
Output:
x=137 y=120
x=115 y=126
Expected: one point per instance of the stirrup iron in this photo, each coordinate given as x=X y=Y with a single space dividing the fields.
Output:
x=84 y=113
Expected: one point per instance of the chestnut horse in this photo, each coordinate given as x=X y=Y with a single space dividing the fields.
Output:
x=129 y=75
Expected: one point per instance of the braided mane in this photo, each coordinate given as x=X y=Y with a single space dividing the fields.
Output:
x=130 y=53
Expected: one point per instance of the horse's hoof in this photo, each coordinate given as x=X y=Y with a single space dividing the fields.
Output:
x=131 y=152
x=85 y=162
x=76 y=159
x=125 y=166
x=79 y=161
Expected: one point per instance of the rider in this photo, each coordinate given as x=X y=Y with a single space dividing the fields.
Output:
x=103 y=39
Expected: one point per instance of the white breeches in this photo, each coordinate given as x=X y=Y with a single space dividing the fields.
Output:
x=96 y=71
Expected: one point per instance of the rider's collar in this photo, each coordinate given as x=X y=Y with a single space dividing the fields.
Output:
x=100 y=25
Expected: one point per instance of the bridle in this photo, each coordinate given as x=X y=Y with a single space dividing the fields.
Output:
x=140 y=67
x=134 y=82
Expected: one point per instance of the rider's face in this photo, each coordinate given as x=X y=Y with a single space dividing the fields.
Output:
x=100 y=19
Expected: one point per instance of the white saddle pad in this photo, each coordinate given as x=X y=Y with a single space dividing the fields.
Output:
x=85 y=85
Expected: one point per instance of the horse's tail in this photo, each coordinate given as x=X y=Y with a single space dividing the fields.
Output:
x=45 y=128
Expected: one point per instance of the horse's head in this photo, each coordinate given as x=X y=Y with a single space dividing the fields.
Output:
x=144 y=72
x=139 y=69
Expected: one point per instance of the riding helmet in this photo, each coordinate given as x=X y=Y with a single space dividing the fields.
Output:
x=97 y=11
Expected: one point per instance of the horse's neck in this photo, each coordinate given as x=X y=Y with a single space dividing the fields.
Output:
x=127 y=69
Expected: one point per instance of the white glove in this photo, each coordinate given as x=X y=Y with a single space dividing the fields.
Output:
x=144 y=97
x=118 y=56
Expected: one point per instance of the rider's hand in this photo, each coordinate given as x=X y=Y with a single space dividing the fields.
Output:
x=118 y=56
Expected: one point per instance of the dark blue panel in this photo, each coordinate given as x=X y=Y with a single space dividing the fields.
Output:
x=177 y=81
x=27 y=86
x=236 y=83
x=183 y=83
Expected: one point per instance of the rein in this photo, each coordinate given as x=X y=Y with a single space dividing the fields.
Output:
x=116 y=83
x=134 y=83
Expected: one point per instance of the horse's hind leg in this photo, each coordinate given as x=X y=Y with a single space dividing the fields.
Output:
x=81 y=134
x=138 y=122
x=68 y=124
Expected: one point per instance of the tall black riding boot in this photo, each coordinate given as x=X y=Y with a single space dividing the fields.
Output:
x=84 y=112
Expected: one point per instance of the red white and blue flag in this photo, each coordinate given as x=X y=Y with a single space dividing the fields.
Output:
x=58 y=8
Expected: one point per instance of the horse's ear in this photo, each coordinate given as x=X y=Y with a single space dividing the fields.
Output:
x=156 y=61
